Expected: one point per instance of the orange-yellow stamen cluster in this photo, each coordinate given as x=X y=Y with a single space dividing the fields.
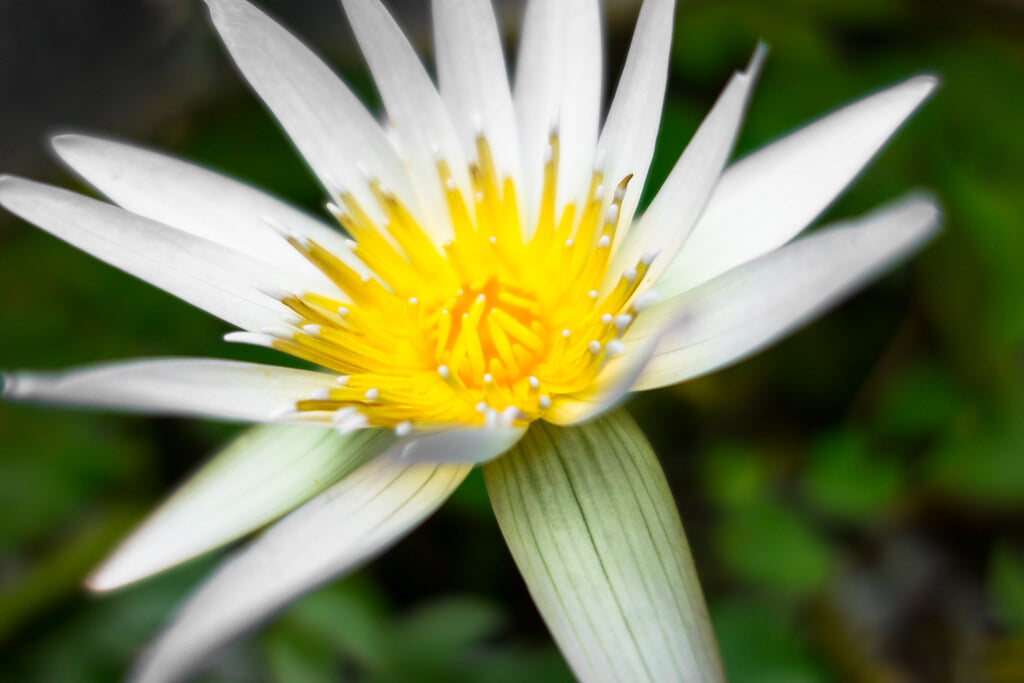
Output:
x=491 y=326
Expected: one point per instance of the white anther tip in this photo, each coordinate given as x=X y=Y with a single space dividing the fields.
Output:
x=320 y=394
x=612 y=213
x=492 y=239
x=292 y=319
x=276 y=293
x=283 y=411
x=254 y=338
x=488 y=378
x=534 y=382
x=629 y=274
x=372 y=394
x=342 y=311
x=544 y=402
x=512 y=414
x=282 y=333
x=444 y=372
x=413 y=301
x=342 y=414
x=614 y=348
x=403 y=429
x=566 y=334
x=648 y=256
x=606 y=318
x=622 y=322
x=604 y=242
x=569 y=242
x=342 y=380
x=594 y=347
x=352 y=424
x=449 y=184
x=481 y=407
x=646 y=300
x=312 y=330
x=592 y=294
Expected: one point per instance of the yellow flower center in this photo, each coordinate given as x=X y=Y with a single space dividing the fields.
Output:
x=494 y=325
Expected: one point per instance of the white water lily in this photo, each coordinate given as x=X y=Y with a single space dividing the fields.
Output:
x=494 y=282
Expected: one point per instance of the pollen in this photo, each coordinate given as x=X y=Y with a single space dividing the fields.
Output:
x=489 y=327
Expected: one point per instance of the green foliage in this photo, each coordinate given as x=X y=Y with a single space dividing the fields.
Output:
x=898 y=419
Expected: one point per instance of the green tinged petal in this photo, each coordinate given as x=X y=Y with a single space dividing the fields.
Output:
x=591 y=523
x=267 y=471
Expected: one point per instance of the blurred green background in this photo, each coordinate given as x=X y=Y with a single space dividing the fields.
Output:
x=854 y=496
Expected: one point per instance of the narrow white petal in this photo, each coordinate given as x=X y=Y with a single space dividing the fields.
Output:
x=475 y=445
x=205 y=387
x=261 y=475
x=751 y=306
x=199 y=201
x=473 y=78
x=766 y=199
x=678 y=205
x=343 y=527
x=328 y=124
x=593 y=528
x=207 y=275
x=631 y=128
x=558 y=83
x=421 y=122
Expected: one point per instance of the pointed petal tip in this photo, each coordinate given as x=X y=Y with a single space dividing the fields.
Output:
x=757 y=59
x=8 y=380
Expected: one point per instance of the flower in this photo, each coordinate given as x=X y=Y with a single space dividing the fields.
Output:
x=495 y=281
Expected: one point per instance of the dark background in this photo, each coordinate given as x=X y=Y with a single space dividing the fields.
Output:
x=854 y=496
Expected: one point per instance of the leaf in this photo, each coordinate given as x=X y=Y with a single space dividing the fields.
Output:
x=591 y=523
x=767 y=544
x=846 y=481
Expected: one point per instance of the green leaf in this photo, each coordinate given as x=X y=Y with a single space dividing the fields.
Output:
x=592 y=526
x=1006 y=585
x=768 y=544
x=263 y=474
x=846 y=481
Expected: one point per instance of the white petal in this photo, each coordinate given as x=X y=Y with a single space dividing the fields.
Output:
x=200 y=202
x=351 y=522
x=473 y=78
x=592 y=526
x=679 y=203
x=206 y=387
x=631 y=128
x=331 y=128
x=422 y=126
x=766 y=199
x=261 y=475
x=558 y=82
x=207 y=275
x=751 y=306
x=610 y=387
x=475 y=445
